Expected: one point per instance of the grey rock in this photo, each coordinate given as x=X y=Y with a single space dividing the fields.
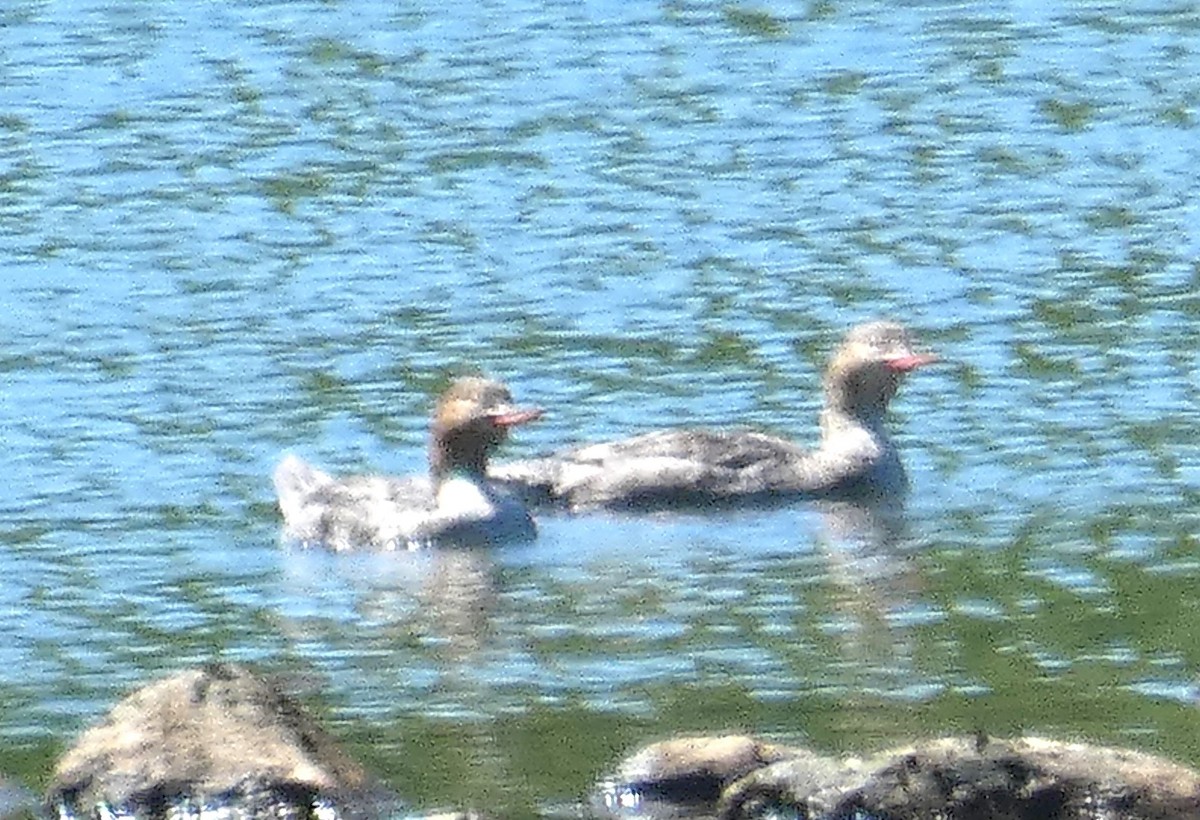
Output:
x=1029 y=778
x=687 y=771
x=976 y=779
x=217 y=740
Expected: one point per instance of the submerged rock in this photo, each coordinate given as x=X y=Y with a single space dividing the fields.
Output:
x=948 y=779
x=213 y=740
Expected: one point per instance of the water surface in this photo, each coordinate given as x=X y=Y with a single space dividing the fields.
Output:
x=233 y=230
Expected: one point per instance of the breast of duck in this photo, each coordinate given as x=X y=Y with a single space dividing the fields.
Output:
x=456 y=504
x=699 y=468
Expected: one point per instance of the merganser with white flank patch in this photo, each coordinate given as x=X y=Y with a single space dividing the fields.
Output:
x=457 y=504
x=698 y=468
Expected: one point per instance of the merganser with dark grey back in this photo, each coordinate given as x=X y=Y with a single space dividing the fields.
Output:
x=697 y=468
x=457 y=504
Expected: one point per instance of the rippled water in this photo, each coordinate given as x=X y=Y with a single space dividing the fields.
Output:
x=234 y=229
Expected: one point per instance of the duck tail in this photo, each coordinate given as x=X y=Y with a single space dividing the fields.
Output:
x=295 y=482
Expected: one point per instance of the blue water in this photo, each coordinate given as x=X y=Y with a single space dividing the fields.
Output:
x=237 y=229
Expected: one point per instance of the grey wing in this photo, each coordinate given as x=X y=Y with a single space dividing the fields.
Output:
x=670 y=468
x=724 y=449
x=409 y=493
x=742 y=464
x=351 y=512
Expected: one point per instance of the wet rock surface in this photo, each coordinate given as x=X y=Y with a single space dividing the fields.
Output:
x=223 y=742
x=946 y=779
x=696 y=770
x=214 y=739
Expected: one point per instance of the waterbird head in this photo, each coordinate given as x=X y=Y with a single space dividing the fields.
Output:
x=472 y=418
x=866 y=370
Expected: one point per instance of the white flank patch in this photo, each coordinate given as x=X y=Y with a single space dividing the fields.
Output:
x=463 y=497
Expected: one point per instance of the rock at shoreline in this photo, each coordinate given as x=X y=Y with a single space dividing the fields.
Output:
x=950 y=779
x=217 y=738
x=688 y=771
x=1023 y=779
